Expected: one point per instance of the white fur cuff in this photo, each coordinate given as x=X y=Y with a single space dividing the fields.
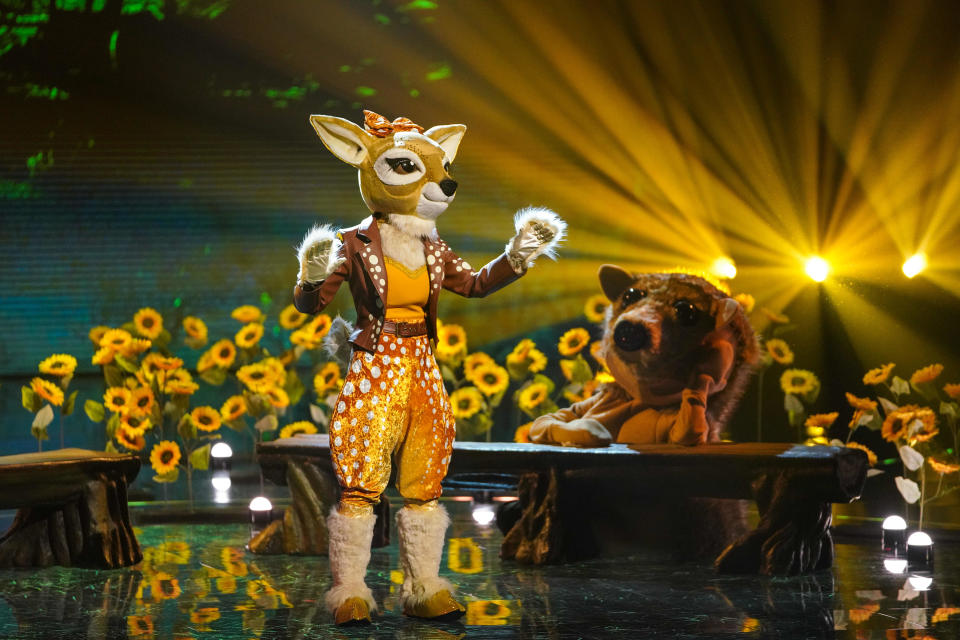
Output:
x=317 y=253
x=539 y=232
x=349 y=553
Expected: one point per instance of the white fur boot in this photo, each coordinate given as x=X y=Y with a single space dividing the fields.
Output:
x=349 y=598
x=424 y=593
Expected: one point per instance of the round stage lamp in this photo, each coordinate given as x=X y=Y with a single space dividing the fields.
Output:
x=920 y=583
x=261 y=514
x=220 y=457
x=894 y=538
x=724 y=267
x=919 y=551
x=915 y=264
x=817 y=268
x=895 y=565
x=483 y=513
x=221 y=487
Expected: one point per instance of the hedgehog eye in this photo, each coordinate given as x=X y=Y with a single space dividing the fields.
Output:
x=402 y=166
x=687 y=314
x=632 y=295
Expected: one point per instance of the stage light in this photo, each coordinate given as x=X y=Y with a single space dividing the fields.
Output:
x=483 y=513
x=920 y=551
x=261 y=514
x=723 y=267
x=915 y=264
x=220 y=455
x=221 y=482
x=894 y=538
x=895 y=565
x=817 y=268
x=920 y=583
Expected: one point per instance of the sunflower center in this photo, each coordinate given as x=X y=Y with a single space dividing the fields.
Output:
x=205 y=420
x=490 y=378
x=798 y=382
x=147 y=322
x=166 y=456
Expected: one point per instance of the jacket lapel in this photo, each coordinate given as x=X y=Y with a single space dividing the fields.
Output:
x=434 y=253
x=371 y=255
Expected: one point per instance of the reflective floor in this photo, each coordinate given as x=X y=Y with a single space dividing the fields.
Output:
x=197 y=581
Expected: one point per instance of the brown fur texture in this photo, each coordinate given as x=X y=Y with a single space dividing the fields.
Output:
x=681 y=352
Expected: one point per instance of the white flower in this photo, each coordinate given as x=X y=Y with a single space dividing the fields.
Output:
x=908 y=489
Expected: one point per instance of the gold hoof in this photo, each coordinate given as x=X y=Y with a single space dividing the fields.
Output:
x=439 y=605
x=352 y=611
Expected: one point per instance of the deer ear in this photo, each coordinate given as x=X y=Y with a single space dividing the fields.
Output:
x=614 y=280
x=725 y=310
x=448 y=136
x=345 y=140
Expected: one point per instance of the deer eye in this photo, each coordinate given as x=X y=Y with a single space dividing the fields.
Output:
x=402 y=166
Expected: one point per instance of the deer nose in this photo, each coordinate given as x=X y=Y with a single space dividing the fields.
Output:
x=631 y=336
x=448 y=187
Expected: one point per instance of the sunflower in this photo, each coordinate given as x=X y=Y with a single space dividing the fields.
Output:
x=233 y=408
x=59 y=364
x=473 y=362
x=204 y=615
x=532 y=396
x=257 y=377
x=223 y=353
x=798 y=381
x=247 y=314
x=96 y=334
x=164 y=586
x=205 y=362
x=587 y=389
x=952 y=390
x=861 y=404
x=167 y=364
x=135 y=347
x=292 y=429
x=774 y=317
x=116 y=339
x=290 y=318
x=279 y=371
x=943 y=467
x=878 y=375
x=451 y=342
x=526 y=355
x=817 y=423
x=48 y=391
x=180 y=382
x=926 y=374
x=871 y=456
x=117 y=399
x=277 y=397
x=303 y=338
x=746 y=301
x=129 y=439
x=573 y=341
x=249 y=335
x=491 y=378
x=149 y=367
x=195 y=328
x=522 y=434
x=164 y=457
x=140 y=625
x=326 y=379
x=779 y=351
x=596 y=307
x=466 y=401
x=104 y=355
x=909 y=422
x=206 y=418
x=149 y=323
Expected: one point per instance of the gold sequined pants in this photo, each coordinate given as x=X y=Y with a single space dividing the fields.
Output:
x=392 y=405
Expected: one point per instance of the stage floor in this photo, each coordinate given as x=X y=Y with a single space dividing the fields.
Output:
x=197 y=581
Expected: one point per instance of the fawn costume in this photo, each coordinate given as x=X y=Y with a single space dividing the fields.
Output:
x=393 y=403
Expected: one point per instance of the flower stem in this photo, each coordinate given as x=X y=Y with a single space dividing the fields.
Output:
x=760 y=405
x=923 y=492
x=61 y=428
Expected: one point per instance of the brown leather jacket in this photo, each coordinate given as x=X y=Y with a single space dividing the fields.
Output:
x=366 y=274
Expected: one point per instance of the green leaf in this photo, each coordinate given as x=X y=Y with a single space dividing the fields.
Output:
x=899 y=386
x=68 y=404
x=112 y=425
x=194 y=343
x=580 y=371
x=187 y=428
x=870 y=420
x=40 y=422
x=31 y=401
x=94 y=410
x=113 y=375
x=215 y=376
x=476 y=425
x=551 y=386
x=257 y=405
x=200 y=458
x=792 y=403
x=170 y=476
x=888 y=407
x=948 y=409
x=162 y=340
x=111 y=448
x=782 y=329
x=294 y=387
x=267 y=423
x=239 y=424
x=448 y=374
x=126 y=364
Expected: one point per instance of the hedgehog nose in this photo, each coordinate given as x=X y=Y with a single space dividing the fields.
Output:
x=448 y=186
x=631 y=336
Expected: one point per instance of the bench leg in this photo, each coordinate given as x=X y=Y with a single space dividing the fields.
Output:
x=792 y=537
x=302 y=530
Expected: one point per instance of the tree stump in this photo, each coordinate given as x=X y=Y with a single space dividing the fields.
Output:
x=72 y=509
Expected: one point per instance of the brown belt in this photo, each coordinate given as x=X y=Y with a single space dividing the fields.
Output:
x=405 y=329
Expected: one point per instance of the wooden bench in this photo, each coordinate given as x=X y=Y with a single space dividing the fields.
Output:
x=793 y=485
x=72 y=509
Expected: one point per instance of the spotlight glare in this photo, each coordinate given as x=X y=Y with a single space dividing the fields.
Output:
x=483 y=514
x=723 y=267
x=817 y=268
x=915 y=264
